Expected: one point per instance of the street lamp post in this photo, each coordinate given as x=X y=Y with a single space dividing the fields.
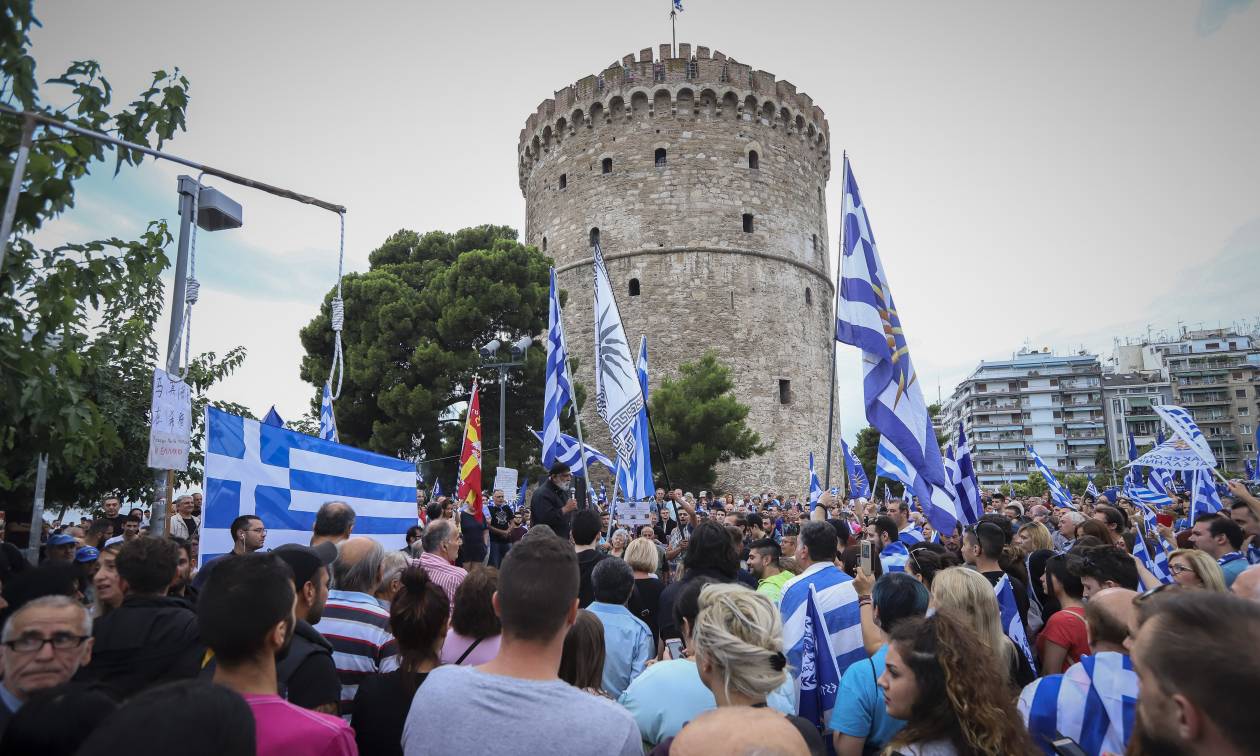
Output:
x=517 y=360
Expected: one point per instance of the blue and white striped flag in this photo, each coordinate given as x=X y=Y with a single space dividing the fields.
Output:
x=1091 y=489
x=1061 y=495
x=1204 y=499
x=283 y=477
x=567 y=452
x=618 y=397
x=1094 y=703
x=520 y=495
x=819 y=678
x=969 y=488
x=1157 y=564
x=1146 y=497
x=1011 y=622
x=820 y=619
x=867 y=318
x=327 y=421
x=558 y=392
x=635 y=479
x=859 y=487
x=437 y=490
x=678 y=6
x=888 y=464
x=1183 y=424
x=894 y=556
x=815 y=485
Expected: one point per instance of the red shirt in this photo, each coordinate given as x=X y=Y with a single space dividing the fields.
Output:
x=1066 y=629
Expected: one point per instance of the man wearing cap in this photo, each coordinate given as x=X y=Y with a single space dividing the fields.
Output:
x=551 y=504
x=60 y=548
x=307 y=676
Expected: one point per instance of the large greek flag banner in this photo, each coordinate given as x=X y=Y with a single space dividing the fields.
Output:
x=283 y=477
x=867 y=318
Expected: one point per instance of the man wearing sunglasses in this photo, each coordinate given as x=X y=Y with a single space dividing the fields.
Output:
x=45 y=643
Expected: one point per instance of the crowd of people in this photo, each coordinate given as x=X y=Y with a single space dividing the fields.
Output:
x=716 y=626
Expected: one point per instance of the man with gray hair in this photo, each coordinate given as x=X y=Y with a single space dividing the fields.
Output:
x=334 y=522
x=353 y=621
x=441 y=543
x=1065 y=534
x=628 y=640
x=45 y=643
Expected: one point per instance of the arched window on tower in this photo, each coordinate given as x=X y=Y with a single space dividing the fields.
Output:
x=660 y=157
x=606 y=165
x=544 y=244
x=594 y=236
x=753 y=161
x=634 y=287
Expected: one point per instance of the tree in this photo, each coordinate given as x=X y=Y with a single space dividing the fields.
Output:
x=414 y=322
x=76 y=322
x=1034 y=486
x=699 y=423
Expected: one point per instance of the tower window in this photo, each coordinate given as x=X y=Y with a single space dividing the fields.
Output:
x=748 y=223
x=606 y=165
x=564 y=180
x=594 y=236
x=785 y=391
x=753 y=162
x=660 y=157
x=809 y=296
x=814 y=242
x=634 y=287
x=544 y=244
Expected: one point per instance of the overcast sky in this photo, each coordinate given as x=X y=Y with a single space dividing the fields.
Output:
x=1055 y=174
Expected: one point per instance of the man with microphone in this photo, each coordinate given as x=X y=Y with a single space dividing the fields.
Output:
x=553 y=503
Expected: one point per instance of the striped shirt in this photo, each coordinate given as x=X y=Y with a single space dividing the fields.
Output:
x=838 y=605
x=894 y=557
x=357 y=627
x=448 y=576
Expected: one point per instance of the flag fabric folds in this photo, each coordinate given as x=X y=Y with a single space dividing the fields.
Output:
x=821 y=624
x=888 y=464
x=859 y=487
x=1182 y=424
x=635 y=479
x=1091 y=489
x=273 y=418
x=558 y=391
x=520 y=496
x=567 y=452
x=618 y=398
x=1011 y=622
x=1204 y=498
x=867 y=318
x=283 y=477
x=327 y=421
x=815 y=485
x=968 y=486
x=1062 y=497
x=1094 y=703
x=437 y=490
x=819 y=678
x=469 y=489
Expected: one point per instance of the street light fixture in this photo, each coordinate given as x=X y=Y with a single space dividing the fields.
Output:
x=518 y=351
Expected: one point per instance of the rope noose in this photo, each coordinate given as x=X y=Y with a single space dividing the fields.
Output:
x=192 y=287
x=337 y=314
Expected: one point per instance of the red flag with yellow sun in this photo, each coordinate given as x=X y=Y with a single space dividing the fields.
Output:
x=469 y=490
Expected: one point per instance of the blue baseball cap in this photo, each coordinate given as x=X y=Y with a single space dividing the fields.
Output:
x=86 y=554
x=61 y=539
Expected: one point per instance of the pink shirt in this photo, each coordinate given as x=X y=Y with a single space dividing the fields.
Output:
x=282 y=729
x=446 y=575
x=457 y=644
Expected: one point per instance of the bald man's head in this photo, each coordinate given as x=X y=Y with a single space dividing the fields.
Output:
x=739 y=731
x=1109 y=615
x=358 y=565
x=1247 y=584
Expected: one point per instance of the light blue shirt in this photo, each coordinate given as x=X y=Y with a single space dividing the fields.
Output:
x=860 y=710
x=10 y=701
x=627 y=645
x=669 y=694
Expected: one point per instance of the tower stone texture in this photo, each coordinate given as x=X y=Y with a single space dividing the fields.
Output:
x=704 y=179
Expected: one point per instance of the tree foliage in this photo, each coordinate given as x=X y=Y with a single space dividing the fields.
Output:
x=76 y=322
x=699 y=423
x=414 y=322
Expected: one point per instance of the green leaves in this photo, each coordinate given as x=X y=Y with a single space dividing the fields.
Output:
x=699 y=423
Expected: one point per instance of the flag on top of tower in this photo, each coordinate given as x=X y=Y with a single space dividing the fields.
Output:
x=558 y=389
x=678 y=6
x=866 y=317
x=618 y=397
x=1062 y=497
x=327 y=421
x=859 y=487
x=635 y=480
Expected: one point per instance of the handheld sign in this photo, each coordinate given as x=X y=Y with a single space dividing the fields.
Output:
x=170 y=422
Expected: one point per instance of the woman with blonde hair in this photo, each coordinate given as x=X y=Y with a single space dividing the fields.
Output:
x=970 y=596
x=645 y=601
x=1196 y=569
x=737 y=642
x=1032 y=537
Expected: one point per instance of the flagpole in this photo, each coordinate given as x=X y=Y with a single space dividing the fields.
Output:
x=673 y=30
x=612 y=503
x=831 y=397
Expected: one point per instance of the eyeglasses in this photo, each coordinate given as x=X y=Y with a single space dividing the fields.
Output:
x=34 y=643
x=1177 y=569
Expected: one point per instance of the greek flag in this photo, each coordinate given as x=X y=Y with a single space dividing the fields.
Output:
x=327 y=422
x=894 y=556
x=1094 y=703
x=283 y=477
x=558 y=393
x=1158 y=564
x=618 y=397
x=678 y=6
x=859 y=487
x=867 y=318
x=1146 y=497
x=1011 y=623
x=888 y=464
x=567 y=452
x=968 y=487
x=815 y=486
x=635 y=480
x=1205 y=498
x=1091 y=489
x=520 y=496
x=819 y=678
x=1160 y=481
x=273 y=418
x=437 y=490
x=1061 y=495
x=1183 y=425
x=1134 y=475
x=822 y=635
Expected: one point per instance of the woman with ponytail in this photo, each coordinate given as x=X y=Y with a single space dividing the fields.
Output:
x=418 y=618
x=949 y=689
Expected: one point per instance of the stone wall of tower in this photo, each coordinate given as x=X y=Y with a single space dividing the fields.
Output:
x=739 y=148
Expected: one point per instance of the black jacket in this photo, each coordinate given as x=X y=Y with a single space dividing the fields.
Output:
x=545 y=508
x=307 y=675
x=146 y=641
